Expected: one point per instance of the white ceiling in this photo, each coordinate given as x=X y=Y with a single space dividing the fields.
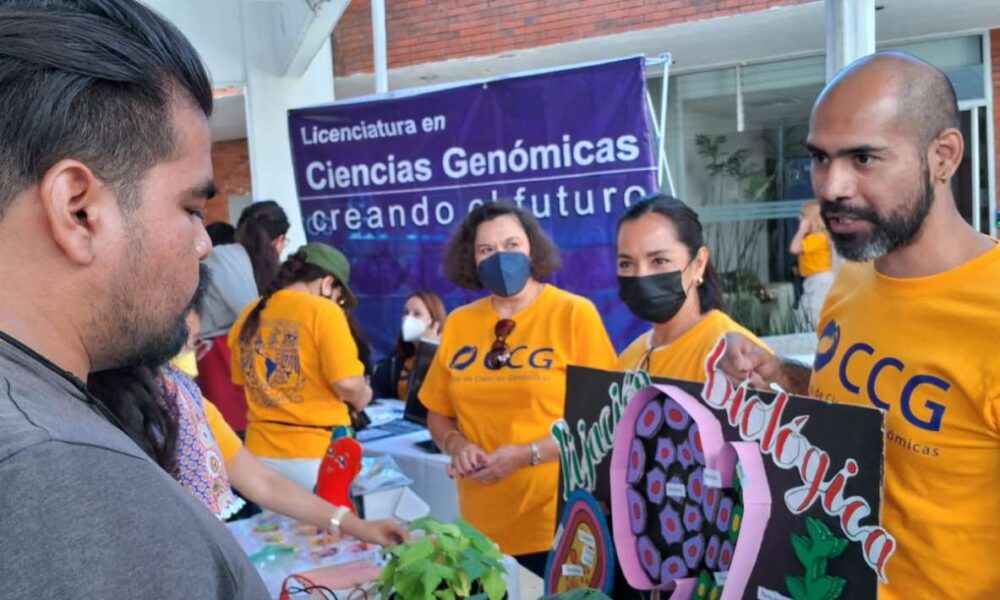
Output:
x=291 y=33
x=215 y=27
x=750 y=37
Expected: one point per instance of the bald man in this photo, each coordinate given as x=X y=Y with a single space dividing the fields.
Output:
x=910 y=325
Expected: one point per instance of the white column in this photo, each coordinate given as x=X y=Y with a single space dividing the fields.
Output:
x=850 y=32
x=380 y=47
x=269 y=96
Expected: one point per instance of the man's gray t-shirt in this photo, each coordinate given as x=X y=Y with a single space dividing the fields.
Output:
x=84 y=513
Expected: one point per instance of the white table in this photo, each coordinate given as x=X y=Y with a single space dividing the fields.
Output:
x=428 y=471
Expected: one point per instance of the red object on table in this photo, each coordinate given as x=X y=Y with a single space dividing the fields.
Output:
x=337 y=471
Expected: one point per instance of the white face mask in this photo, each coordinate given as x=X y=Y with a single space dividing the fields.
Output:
x=413 y=328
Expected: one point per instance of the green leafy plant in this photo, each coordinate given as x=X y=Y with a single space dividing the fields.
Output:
x=815 y=552
x=451 y=561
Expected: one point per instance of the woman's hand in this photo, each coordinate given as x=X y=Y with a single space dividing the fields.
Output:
x=468 y=460
x=504 y=461
x=384 y=532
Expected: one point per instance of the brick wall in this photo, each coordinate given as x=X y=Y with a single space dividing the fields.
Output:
x=231 y=162
x=421 y=31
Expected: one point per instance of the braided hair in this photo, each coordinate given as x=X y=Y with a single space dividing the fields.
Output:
x=131 y=394
x=295 y=269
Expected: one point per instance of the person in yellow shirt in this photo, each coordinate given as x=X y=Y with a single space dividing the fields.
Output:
x=812 y=245
x=666 y=277
x=910 y=325
x=498 y=379
x=293 y=353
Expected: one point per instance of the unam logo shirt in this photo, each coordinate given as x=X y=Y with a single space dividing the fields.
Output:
x=288 y=370
x=515 y=404
x=925 y=351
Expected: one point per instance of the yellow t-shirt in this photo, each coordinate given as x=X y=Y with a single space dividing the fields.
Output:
x=229 y=443
x=924 y=349
x=515 y=404
x=302 y=347
x=187 y=362
x=684 y=358
x=816 y=256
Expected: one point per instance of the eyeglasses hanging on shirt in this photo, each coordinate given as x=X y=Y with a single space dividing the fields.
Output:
x=499 y=354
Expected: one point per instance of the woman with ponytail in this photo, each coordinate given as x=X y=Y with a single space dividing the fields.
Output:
x=293 y=353
x=666 y=277
x=238 y=271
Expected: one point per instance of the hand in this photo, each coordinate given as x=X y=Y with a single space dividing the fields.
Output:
x=504 y=461
x=745 y=359
x=384 y=532
x=467 y=460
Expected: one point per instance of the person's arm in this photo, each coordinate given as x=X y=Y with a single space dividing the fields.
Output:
x=273 y=491
x=466 y=457
x=508 y=459
x=744 y=359
x=353 y=391
x=796 y=245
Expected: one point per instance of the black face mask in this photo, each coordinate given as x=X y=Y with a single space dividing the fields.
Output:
x=654 y=298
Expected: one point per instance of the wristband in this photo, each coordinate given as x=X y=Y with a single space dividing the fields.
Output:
x=536 y=454
x=336 y=518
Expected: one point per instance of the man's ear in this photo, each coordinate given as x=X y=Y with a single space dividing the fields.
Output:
x=76 y=205
x=945 y=155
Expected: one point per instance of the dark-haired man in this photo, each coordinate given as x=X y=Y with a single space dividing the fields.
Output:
x=104 y=170
x=910 y=325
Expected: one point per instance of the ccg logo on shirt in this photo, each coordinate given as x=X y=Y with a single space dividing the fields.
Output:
x=877 y=366
x=520 y=357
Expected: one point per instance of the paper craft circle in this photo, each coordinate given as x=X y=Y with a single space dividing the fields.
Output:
x=636 y=461
x=694 y=530
x=586 y=543
x=650 y=420
x=636 y=511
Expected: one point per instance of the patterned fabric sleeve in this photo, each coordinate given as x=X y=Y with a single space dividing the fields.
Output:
x=199 y=465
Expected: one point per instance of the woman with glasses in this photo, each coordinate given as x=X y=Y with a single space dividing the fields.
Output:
x=294 y=354
x=666 y=277
x=498 y=380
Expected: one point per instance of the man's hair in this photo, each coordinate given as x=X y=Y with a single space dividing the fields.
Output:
x=927 y=101
x=91 y=80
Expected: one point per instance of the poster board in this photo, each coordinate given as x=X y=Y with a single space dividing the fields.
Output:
x=823 y=464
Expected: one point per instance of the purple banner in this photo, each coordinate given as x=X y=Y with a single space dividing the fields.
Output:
x=386 y=181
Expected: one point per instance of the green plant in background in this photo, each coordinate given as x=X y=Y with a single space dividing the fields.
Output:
x=736 y=245
x=815 y=552
x=451 y=561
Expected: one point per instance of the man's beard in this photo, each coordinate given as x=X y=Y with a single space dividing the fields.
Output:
x=136 y=339
x=889 y=233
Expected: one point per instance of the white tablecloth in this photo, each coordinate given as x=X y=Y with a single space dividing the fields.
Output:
x=428 y=471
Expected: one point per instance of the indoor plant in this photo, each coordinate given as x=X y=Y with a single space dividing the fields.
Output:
x=449 y=561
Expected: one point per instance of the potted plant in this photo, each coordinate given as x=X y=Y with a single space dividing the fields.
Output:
x=448 y=562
